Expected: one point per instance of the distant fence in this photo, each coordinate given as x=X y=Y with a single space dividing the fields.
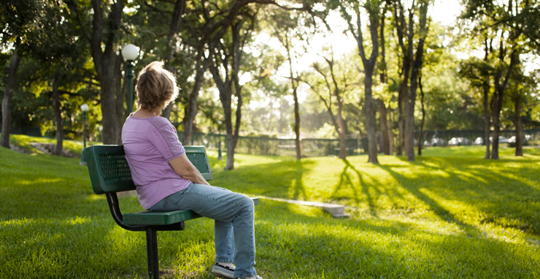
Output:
x=532 y=136
x=276 y=146
x=325 y=147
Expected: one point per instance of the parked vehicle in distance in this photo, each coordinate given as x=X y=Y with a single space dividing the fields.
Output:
x=479 y=141
x=459 y=141
x=501 y=139
x=524 y=141
x=437 y=142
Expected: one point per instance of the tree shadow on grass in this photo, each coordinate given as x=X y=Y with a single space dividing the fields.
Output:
x=282 y=179
x=491 y=187
x=439 y=210
x=297 y=188
x=326 y=248
x=345 y=180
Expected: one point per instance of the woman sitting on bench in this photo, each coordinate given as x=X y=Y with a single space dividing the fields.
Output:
x=166 y=180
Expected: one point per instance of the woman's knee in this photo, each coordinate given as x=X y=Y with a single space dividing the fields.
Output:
x=247 y=202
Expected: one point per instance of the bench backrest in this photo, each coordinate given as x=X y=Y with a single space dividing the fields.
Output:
x=198 y=157
x=109 y=170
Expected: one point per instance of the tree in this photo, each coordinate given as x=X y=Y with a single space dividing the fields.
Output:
x=335 y=83
x=55 y=47
x=6 y=101
x=383 y=75
x=355 y=28
x=207 y=22
x=521 y=87
x=17 y=21
x=510 y=31
x=411 y=63
x=284 y=29
x=204 y=36
x=226 y=58
x=269 y=90
x=175 y=27
x=478 y=72
x=103 y=40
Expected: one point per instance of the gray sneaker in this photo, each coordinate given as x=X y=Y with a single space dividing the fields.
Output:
x=223 y=270
x=252 y=277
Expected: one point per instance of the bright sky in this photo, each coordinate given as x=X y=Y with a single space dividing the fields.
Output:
x=444 y=12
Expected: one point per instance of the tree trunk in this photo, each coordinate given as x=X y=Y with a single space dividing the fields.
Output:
x=409 y=127
x=423 y=115
x=233 y=139
x=231 y=143
x=519 y=128
x=57 y=116
x=391 y=142
x=498 y=97
x=174 y=28
x=108 y=101
x=225 y=98
x=294 y=85
x=402 y=96
x=409 y=121
x=229 y=165
x=416 y=68
x=370 y=119
x=342 y=134
x=6 y=101
x=190 y=110
x=495 y=115
x=369 y=66
x=384 y=128
x=297 y=125
x=383 y=66
x=237 y=48
x=496 y=131
x=105 y=63
x=400 y=25
x=487 y=119
x=384 y=80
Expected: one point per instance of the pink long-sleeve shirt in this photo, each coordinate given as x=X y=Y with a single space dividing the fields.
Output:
x=149 y=144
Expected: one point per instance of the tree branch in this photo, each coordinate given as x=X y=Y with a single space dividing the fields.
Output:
x=78 y=16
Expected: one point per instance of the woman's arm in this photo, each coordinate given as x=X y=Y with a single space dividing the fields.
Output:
x=183 y=167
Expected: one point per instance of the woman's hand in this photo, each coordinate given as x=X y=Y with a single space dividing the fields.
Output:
x=183 y=167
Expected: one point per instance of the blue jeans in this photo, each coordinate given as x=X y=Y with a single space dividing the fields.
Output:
x=233 y=215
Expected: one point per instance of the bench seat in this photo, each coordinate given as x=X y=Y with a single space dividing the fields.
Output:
x=163 y=217
x=159 y=217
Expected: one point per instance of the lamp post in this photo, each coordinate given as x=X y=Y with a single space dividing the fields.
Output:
x=130 y=52
x=84 y=109
x=219 y=136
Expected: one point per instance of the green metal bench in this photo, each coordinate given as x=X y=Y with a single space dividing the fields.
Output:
x=110 y=174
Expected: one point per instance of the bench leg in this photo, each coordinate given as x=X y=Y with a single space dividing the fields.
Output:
x=152 y=253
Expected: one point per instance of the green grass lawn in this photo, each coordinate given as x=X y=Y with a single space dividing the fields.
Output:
x=450 y=214
x=24 y=141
